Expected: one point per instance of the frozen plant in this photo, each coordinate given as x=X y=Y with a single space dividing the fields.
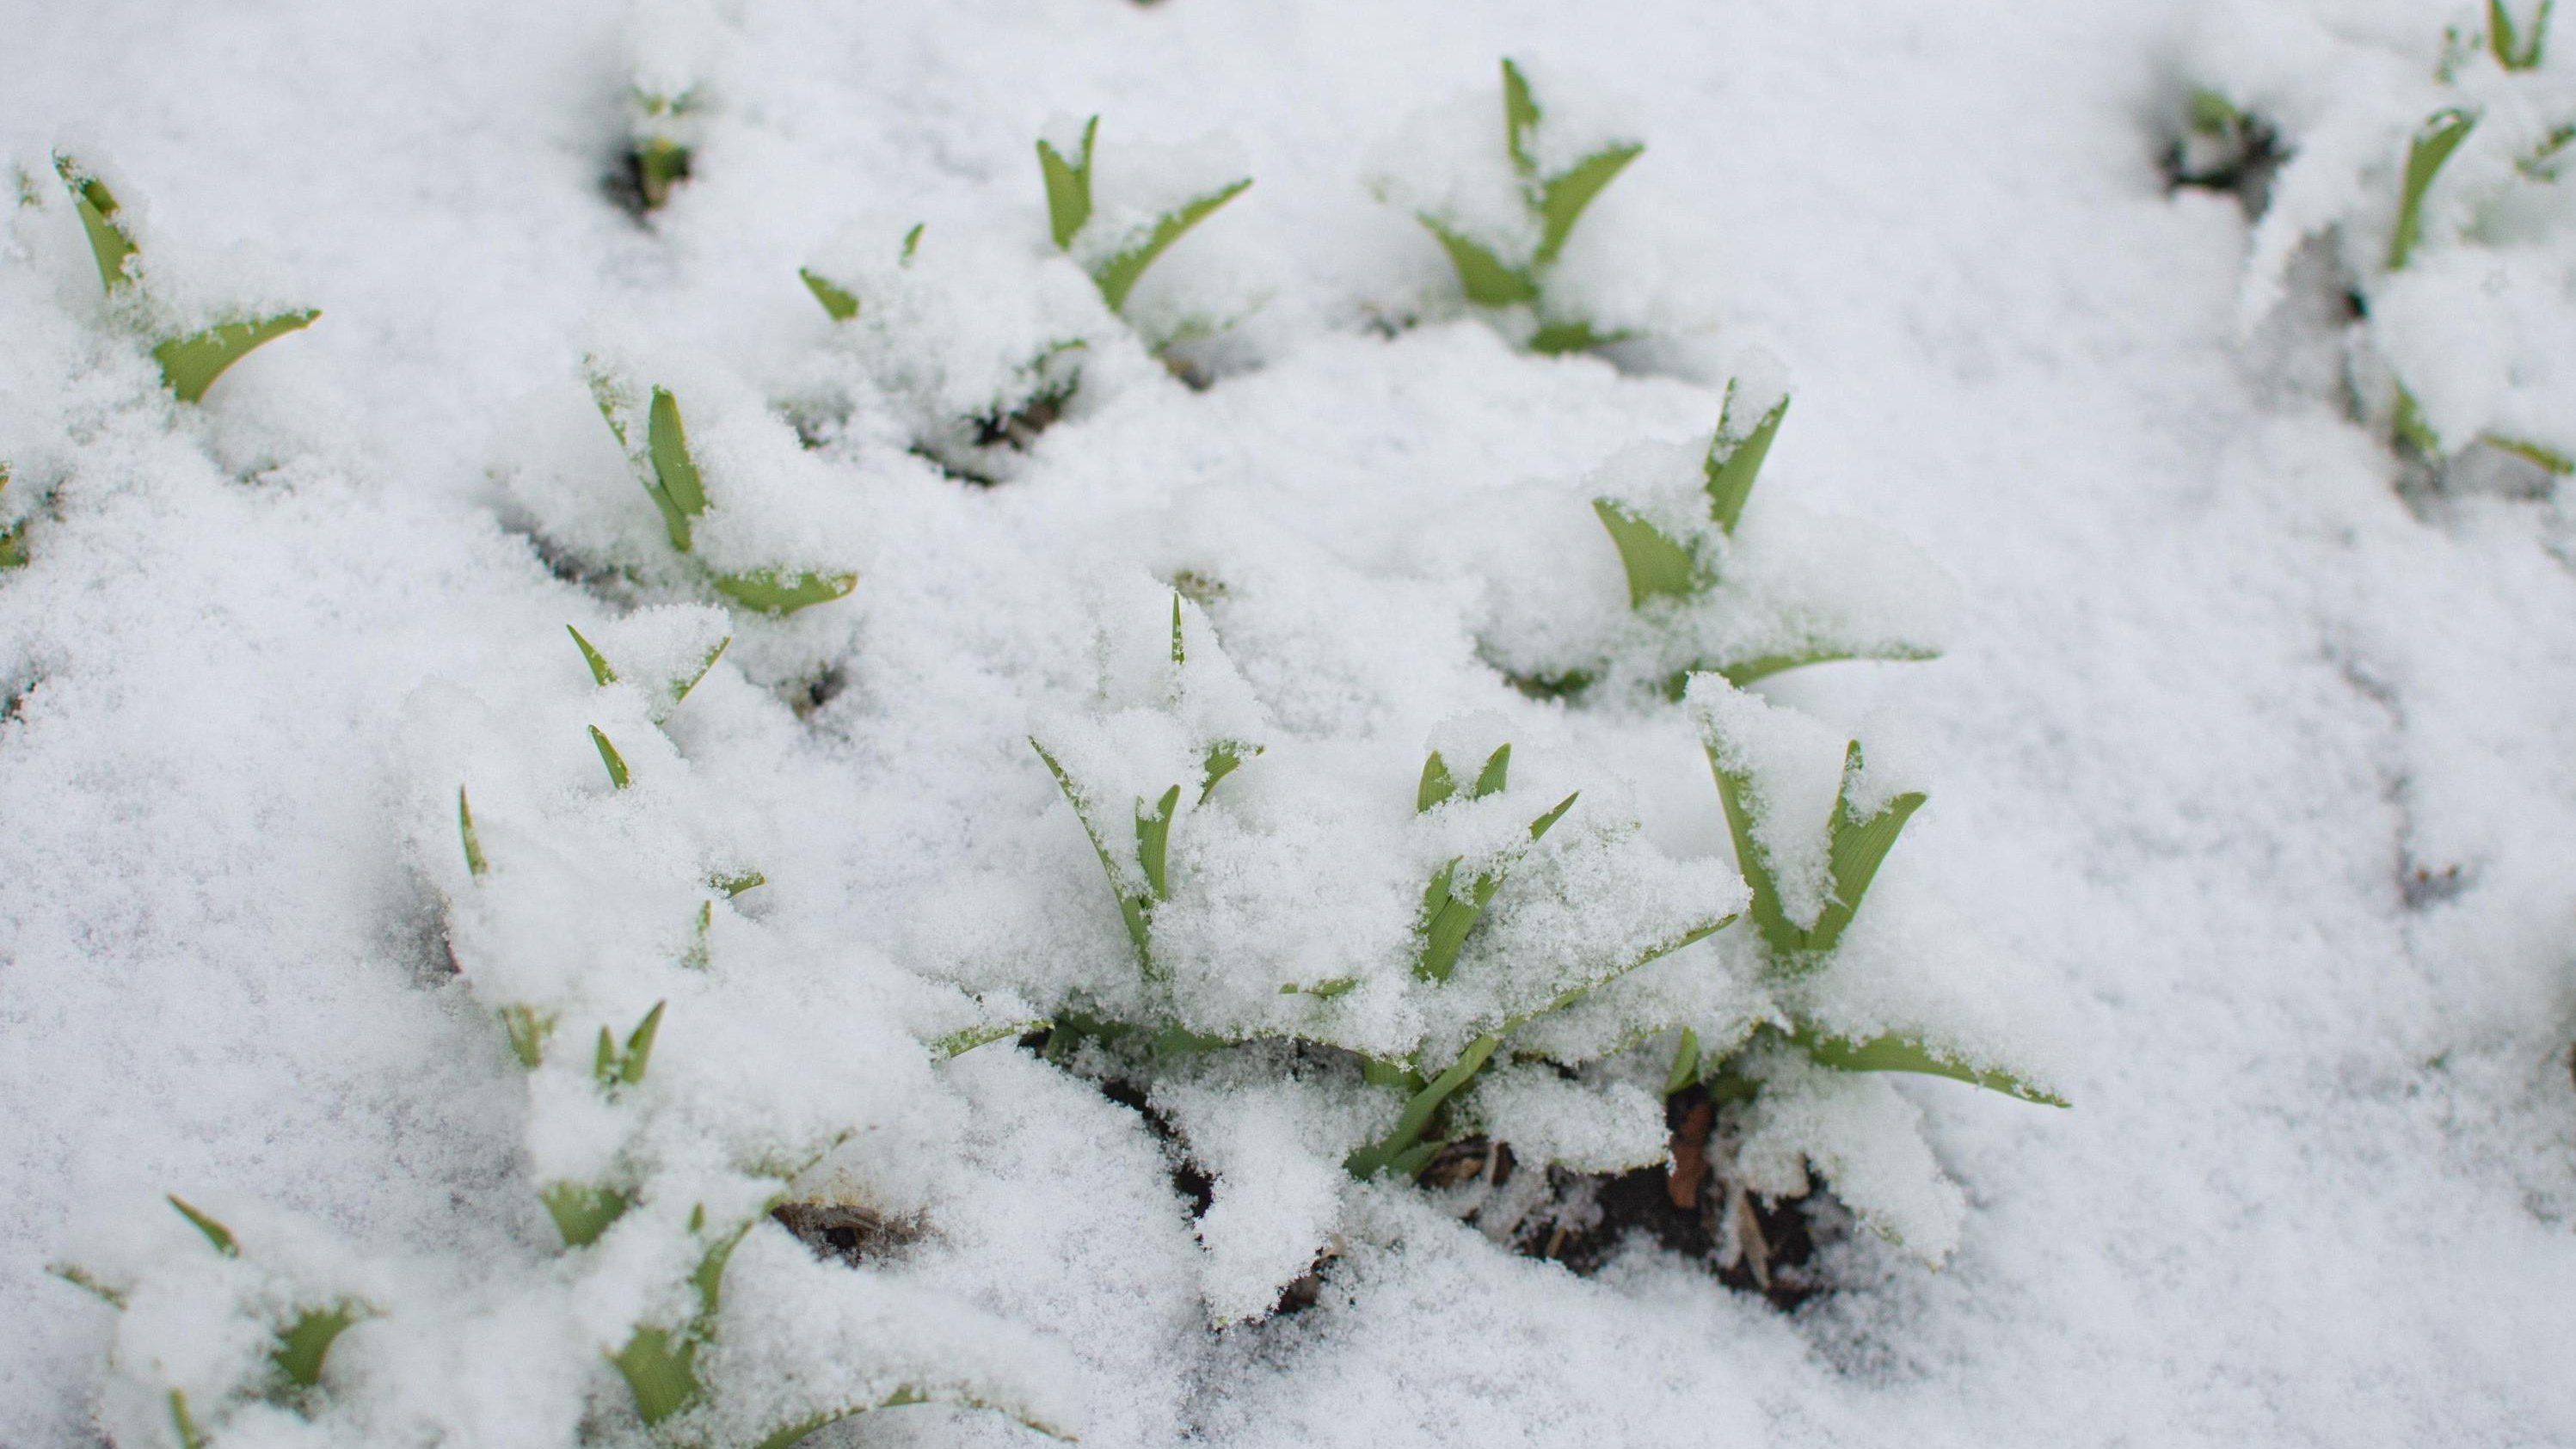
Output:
x=193 y=344
x=2429 y=159
x=1116 y=244
x=1706 y=579
x=1812 y=819
x=1504 y=229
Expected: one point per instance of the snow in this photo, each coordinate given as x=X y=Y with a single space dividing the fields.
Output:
x=2249 y=743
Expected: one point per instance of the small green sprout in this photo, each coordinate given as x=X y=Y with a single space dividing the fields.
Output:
x=1069 y=210
x=1447 y=916
x=1857 y=842
x=528 y=1029
x=614 y=1067
x=2431 y=146
x=839 y=303
x=81 y=1278
x=1661 y=566
x=215 y=1232
x=13 y=545
x=669 y=475
x=191 y=363
x=616 y=763
x=2513 y=50
x=738 y=882
x=958 y=1043
x=475 y=865
x=660 y=158
x=183 y=1423
x=1555 y=203
x=583 y=1211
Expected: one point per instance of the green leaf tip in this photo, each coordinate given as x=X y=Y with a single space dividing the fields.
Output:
x=1153 y=841
x=1856 y=846
x=667 y=445
x=307 y=1341
x=599 y=670
x=1496 y=774
x=475 y=864
x=110 y=244
x=1487 y=279
x=1118 y=275
x=1135 y=910
x=81 y=1278
x=615 y=1068
x=838 y=302
x=1685 y=1068
x=582 y=1211
x=1437 y=785
x=911 y=244
x=2512 y=50
x=680 y=687
x=1657 y=566
x=183 y=1423
x=2431 y=146
x=528 y=1029
x=1223 y=758
x=1068 y=185
x=191 y=364
x=616 y=763
x=1735 y=457
x=216 y=1233
x=736 y=884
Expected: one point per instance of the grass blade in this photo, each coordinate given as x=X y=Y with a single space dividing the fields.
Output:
x=1539 y=827
x=1735 y=459
x=1068 y=186
x=680 y=687
x=773 y=591
x=1857 y=849
x=1755 y=867
x=1520 y=117
x=1496 y=774
x=1906 y=1054
x=2433 y=143
x=838 y=302
x=1487 y=281
x=668 y=446
x=191 y=364
x=599 y=669
x=1562 y=200
x=301 y=1348
x=1436 y=786
x=216 y=1233
x=79 y=1277
x=582 y=1212
x=1685 y=1069
x=1402 y=1145
x=1118 y=275
x=528 y=1031
x=1154 y=839
x=475 y=865
x=639 y=1046
x=1657 y=567
x=608 y=756
x=1223 y=759
x=1130 y=908
x=184 y=1423
x=958 y=1043
x=110 y=244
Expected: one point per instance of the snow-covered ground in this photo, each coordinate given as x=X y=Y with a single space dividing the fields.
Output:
x=2253 y=783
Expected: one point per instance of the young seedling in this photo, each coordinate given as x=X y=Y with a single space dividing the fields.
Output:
x=190 y=363
x=13 y=546
x=669 y=474
x=2512 y=49
x=1149 y=885
x=1857 y=842
x=1497 y=277
x=1116 y=269
x=2431 y=146
x=1447 y=913
x=660 y=156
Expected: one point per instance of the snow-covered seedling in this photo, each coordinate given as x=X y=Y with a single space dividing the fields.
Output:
x=971 y=344
x=194 y=344
x=1116 y=244
x=1813 y=819
x=13 y=529
x=1706 y=580
x=659 y=155
x=2434 y=184
x=645 y=419
x=1505 y=230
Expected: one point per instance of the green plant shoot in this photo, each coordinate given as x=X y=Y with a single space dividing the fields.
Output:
x=1069 y=210
x=2432 y=145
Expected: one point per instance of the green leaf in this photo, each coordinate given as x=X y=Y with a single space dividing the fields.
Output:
x=789 y=1435
x=1907 y=1054
x=1858 y=846
x=1068 y=186
x=626 y=1068
x=1539 y=827
x=1132 y=909
x=1118 y=275
x=582 y=1212
x=2545 y=458
x=1487 y=281
x=1685 y=1068
x=660 y=163
x=13 y=547
x=184 y=1423
x=1223 y=758
x=1153 y=841
x=1775 y=927
x=837 y=300
x=1180 y=653
x=216 y=1233
x=734 y=885
x=79 y=1277
x=1496 y=774
x=475 y=865
x=1657 y=565
x=301 y=1348
x=1399 y=1148
x=528 y=1030
x=667 y=443
x=1326 y=989
x=680 y=687
x=660 y=1364
x=608 y=756
x=110 y=244
x=2511 y=52
x=958 y=1043
x=1445 y=923
x=1558 y=338
x=775 y=591
x=2433 y=143
x=599 y=669
x=697 y=956
x=911 y=244
x=1436 y=786
x=191 y=364
x=1520 y=118
x=1735 y=455
x=2212 y=114
x=1564 y=197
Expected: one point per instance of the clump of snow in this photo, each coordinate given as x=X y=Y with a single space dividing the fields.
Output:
x=1866 y=1139
x=1549 y=1119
